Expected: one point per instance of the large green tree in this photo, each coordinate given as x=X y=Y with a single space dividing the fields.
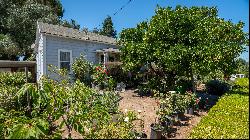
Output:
x=107 y=28
x=18 y=20
x=183 y=42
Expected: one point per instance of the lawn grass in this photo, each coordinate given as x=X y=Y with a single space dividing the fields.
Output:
x=228 y=119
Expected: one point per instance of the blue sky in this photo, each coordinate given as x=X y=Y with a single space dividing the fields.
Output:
x=91 y=13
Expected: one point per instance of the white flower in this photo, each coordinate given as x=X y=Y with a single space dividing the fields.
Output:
x=139 y=111
x=125 y=110
x=126 y=119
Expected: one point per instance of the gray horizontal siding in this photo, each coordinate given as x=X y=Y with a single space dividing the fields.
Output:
x=53 y=44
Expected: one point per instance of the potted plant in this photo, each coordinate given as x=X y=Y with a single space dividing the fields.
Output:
x=156 y=130
x=190 y=100
x=180 y=106
x=165 y=111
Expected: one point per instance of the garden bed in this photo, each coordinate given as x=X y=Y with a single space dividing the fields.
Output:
x=148 y=105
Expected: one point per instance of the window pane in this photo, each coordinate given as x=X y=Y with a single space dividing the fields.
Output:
x=64 y=56
x=65 y=65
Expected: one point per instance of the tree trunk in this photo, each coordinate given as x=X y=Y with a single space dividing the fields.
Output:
x=193 y=81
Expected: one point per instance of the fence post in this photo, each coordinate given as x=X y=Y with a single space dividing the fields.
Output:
x=26 y=73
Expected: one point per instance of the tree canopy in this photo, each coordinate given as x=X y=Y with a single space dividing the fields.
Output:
x=70 y=24
x=107 y=28
x=183 y=41
x=18 y=21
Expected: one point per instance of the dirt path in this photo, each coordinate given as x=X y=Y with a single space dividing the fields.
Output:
x=131 y=101
x=187 y=126
x=148 y=106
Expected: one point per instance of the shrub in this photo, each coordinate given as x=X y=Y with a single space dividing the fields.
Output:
x=228 y=119
x=82 y=69
x=190 y=99
x=101 y=78
x=80 y=108
x=172 y=103
x=13 y=79
x=216 y=87
x=183 y=85
x=242 y=84
x=10 y=83
x=7 y=97
x=117 y=73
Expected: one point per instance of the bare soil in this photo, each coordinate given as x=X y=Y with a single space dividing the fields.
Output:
x=148 y=105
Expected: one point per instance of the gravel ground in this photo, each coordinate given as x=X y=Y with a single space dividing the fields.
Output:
x=148 y=106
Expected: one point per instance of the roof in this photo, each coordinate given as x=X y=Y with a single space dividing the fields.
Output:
x=16 y=64
x=66 y=32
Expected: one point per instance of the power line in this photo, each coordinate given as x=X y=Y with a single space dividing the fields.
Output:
x=118 y=10
x=122 y=7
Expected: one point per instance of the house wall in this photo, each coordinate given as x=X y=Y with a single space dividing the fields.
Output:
x=54 y=43
x=5 y=69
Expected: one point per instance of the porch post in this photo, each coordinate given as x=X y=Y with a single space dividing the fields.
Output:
x=105 y=58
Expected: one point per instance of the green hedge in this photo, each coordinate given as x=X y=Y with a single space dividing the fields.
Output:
x=242 y=84
x=229 y=118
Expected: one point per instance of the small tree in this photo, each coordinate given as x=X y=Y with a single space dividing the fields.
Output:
x=108 y=28
x=96 y=30
x=72 y=24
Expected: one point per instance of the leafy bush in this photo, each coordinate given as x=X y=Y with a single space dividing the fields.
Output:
x=242 y=84
x=13 y=79
x=171 y=103
x=7 y=97
x=216 y=87
x=121 y=128
x=183 y=85
x=10 y=83
x=117 y=73
x=101 y=77
x=80 y=108
x=82 y=69
x=228 y=119
x=190 y=99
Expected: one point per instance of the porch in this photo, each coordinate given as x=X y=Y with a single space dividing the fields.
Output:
x=108 y=56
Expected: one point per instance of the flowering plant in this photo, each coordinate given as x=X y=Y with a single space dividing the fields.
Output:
x=190 y=98
x=100 y=74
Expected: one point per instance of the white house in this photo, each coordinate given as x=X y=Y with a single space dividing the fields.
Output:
x=59 y=46
x=234 y=76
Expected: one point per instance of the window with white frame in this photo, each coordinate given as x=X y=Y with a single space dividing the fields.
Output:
x=64 y=59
